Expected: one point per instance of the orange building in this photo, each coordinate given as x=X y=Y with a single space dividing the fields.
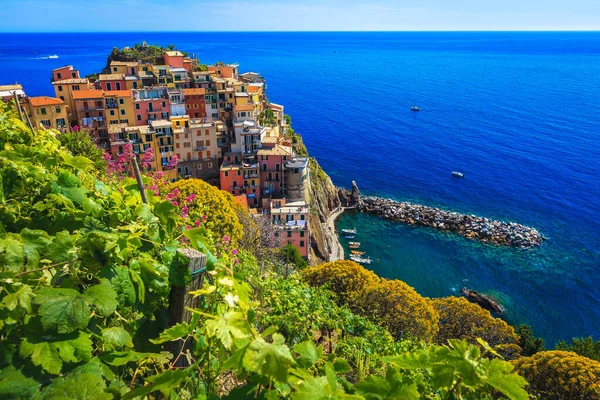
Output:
x=49 y=112
x=194 y=102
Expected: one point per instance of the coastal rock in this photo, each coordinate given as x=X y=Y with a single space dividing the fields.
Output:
x=470 y=226
x=483 y=300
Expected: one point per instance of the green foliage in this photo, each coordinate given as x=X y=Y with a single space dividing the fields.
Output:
x=558 y=375
x=138 y=52
x=529 y=343
x=461 y=319
x=291 y=255
x=81 y=144
x=586 y=347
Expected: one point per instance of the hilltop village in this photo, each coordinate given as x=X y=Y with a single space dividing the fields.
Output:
x=218 y=123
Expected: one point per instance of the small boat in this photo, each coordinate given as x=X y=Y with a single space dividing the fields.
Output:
x=53 y=56
x=354 y=243
x=358 y=253
x=353 y=231
x=415 y=108
x=354 y=246
x=349 y=237
x=457 y=174
x=360 y=259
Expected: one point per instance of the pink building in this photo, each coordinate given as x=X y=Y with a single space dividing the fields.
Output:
x=150 y=105
x=109 y=82
x=66 y=72
x=174 y=59
x=272 y=163
x=291 y=221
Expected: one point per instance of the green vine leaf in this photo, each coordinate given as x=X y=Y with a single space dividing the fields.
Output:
x=269 y=359
x=175 y=332
x=51 y=355
x=116 y=338
x=103 y=298
x=164 y=383
x=15 y=385
x=62 y=310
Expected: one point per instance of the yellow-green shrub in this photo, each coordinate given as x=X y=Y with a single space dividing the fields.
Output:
x=218 y=206
x=560 y=375
x=461 y=319
x=390 y=303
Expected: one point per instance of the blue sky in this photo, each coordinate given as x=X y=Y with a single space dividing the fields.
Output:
x=296 y=15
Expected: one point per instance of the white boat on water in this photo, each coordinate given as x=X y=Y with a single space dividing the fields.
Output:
x=352 y=231
x=53 y=56
x=359 y=259
x=458 y=174
x=354 y=243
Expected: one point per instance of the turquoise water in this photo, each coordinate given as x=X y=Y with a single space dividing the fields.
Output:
x=518 y=113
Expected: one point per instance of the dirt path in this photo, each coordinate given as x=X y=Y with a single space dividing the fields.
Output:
x=337 y=251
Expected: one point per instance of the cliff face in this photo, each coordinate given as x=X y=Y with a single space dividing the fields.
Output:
x=322 y=197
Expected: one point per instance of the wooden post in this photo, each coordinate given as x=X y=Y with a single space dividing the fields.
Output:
x=16 y=96
x=180 y=299
x=138 y=178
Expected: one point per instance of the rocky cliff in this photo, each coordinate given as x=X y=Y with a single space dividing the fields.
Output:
x=322 y=197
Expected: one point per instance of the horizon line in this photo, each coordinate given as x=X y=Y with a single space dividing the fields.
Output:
x=316 y=31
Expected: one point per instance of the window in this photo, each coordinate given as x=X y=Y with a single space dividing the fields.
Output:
x=187 y=106
x=114 y=121
x=46 y=122
x=58 y=109
x=108 y=86
x=60 y=88
x=208 y=156
x=148 y=138
x=122 y=112
x=301 y=233
x=135 y=85
x=302 y=243
x=137 y=106
x=207 y=143
x=213 y=106
x=73 y=75
x=139 y=117
x=43 y=111
x=289 y=234
x=75 y=87
x=186 y=144
x=195 y=106
x=121 y=101
x=118 y=85
x=112 y=112
x=114 y=69
x=59 y=76
x=264 y=166
x=226 y=173
x=164 y=104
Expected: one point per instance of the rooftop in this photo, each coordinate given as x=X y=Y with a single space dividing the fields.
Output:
x=253 y=89
x=63 y=67
x=241 y=94
x=70 y=81
x=244 y=107
x=161 y=123
x=275 y=151
x=141 y=129
x=111 y=77
x=175 y=53
x=124 y=63
x=116 y=128
x=45 y=101
x=194 y=91
x=16 y=86
x=87 y=94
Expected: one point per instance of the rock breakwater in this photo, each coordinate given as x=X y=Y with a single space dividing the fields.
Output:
x=470 y=226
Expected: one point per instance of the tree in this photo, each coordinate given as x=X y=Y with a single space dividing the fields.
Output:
x=209 y=206
x=291 y=255
x=80 y=143
x=560 y=375
x=586 y=347
x=390 y=303
x=529 y=343
x=461 y=319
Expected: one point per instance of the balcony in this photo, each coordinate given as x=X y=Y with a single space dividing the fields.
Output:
x=200 y=148
x=111 y=105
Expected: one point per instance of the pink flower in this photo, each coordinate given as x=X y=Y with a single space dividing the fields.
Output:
x=198 y=223
x=234 y=252
x=226 y=239
x=190 y=198
x=159 y=174
x=175 y=203
x=236 y=261
x=204 y=218
x=75 y=128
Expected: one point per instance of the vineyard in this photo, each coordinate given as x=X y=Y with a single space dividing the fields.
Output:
x=87 y=268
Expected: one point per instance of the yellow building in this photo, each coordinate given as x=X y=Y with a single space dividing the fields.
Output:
x=119 y=107
x=64 y=90
x=47 y=111
x=163 y=75
x=124 y=67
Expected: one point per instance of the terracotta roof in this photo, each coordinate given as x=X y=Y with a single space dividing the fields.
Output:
x=275 y=106
x=111 y=77
x=275 y=151
x=194 y=91
x=125 y=63
x=87 y=94
x=70 y=81
x=119 y=93
x=174 y=53
x=45 y=101
x=16 y=86
x=253 y=89
x=244 y=107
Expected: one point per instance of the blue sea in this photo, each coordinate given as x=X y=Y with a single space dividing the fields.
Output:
x=518 y=113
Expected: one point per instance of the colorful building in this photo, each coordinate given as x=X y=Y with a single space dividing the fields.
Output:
x=108 y=82
x=7 y=92
x=272 y=164
x=66 y=72
x=65 y=89
x=151 y=104
x=291 y=221
x=49 y=112
x=195 y=106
